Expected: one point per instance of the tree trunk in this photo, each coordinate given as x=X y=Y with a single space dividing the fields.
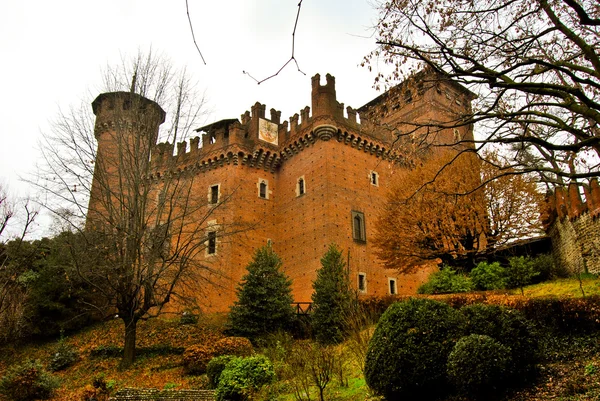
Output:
x=129 y=348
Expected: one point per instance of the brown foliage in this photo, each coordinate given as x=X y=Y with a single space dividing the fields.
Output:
x=197 y=357
x=452 y=206
x=238 y=346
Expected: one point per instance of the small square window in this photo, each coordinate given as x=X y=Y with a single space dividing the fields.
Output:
x=358 y=227
x=362 y=282
x=213 y=194
x=392 y=285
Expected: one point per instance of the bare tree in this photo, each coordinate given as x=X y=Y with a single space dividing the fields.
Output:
x=534 y=66
x=11 y=294
x=146 y=230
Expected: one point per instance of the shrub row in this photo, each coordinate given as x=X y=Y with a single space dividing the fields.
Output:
x=518 y=272
x=565 y=315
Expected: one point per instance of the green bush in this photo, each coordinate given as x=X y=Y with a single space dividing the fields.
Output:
x=65 y=356
x=28 y=381
x=508 y=326
x=488 y=276
x=446 y=281
x=408 y=352
x=215 y=367
x=520 y=272
x=478 y=364
x=242 y=378
x=547 y=269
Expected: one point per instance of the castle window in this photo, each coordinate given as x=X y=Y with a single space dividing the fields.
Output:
x=358 y=227
x=392 y=285
x=300 y=186
x=362 y=282
x=263 y=188
x=211 y=243
x=374 y=178
x=213 y=194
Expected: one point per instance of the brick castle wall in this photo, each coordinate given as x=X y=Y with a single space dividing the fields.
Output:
x=334 y=154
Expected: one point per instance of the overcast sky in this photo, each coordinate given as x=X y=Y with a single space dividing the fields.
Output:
x=53 y=53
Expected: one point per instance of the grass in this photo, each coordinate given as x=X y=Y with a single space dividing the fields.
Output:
x=566 y=287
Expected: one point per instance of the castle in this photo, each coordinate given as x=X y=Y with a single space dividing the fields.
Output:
x=300 y=185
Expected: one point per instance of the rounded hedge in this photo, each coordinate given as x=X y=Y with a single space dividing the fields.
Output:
x=408 y=352
x=507 y=326
x=478 y=364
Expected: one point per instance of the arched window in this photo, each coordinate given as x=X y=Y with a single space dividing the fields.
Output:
x=301 y=188
x=358 y=227
x=262 y=191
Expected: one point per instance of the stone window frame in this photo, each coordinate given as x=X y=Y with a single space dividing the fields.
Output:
x=212 y=236
x=211 y=200
x=374 y=178
x=300 y=186
x=361 y=282
x=392 y=285
x=259 y=184
x=359 y=232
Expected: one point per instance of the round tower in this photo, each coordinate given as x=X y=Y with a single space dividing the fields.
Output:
x=126 y=129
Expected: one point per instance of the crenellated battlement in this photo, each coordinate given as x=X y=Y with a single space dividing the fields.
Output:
x=254 y=131
x=567 y=202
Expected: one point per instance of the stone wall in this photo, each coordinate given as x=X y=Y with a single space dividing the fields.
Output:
x=152 y=394
x=573 y=225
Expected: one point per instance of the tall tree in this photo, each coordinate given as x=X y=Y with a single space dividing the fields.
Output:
x=145 y=233
x=264 y=303
x=11 y=292
x=534 y=65
x=451 y=207
x=332 y=298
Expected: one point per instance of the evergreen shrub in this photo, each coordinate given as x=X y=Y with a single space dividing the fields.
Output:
x=332 y=298
x=28 y=381
x=408 y=352
x=264 y=303
x=478 y=365
x=446 y=281
x=65 y=356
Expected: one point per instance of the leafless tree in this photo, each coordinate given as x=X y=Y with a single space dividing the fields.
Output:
x=11 y=295
x=146 y=230
x=534 y=66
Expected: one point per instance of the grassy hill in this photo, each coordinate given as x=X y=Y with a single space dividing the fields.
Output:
x=569 y=368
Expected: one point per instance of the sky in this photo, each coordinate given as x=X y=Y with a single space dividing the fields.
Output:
x=53 y=54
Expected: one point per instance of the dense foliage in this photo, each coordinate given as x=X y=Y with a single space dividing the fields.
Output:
x=332 y=298
x=215 y=367
x=408 y=352
x=264 y=298
x=488 y=276
x=507 y=326
x=27 y=382
x=242 y=378
x=446 y=281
